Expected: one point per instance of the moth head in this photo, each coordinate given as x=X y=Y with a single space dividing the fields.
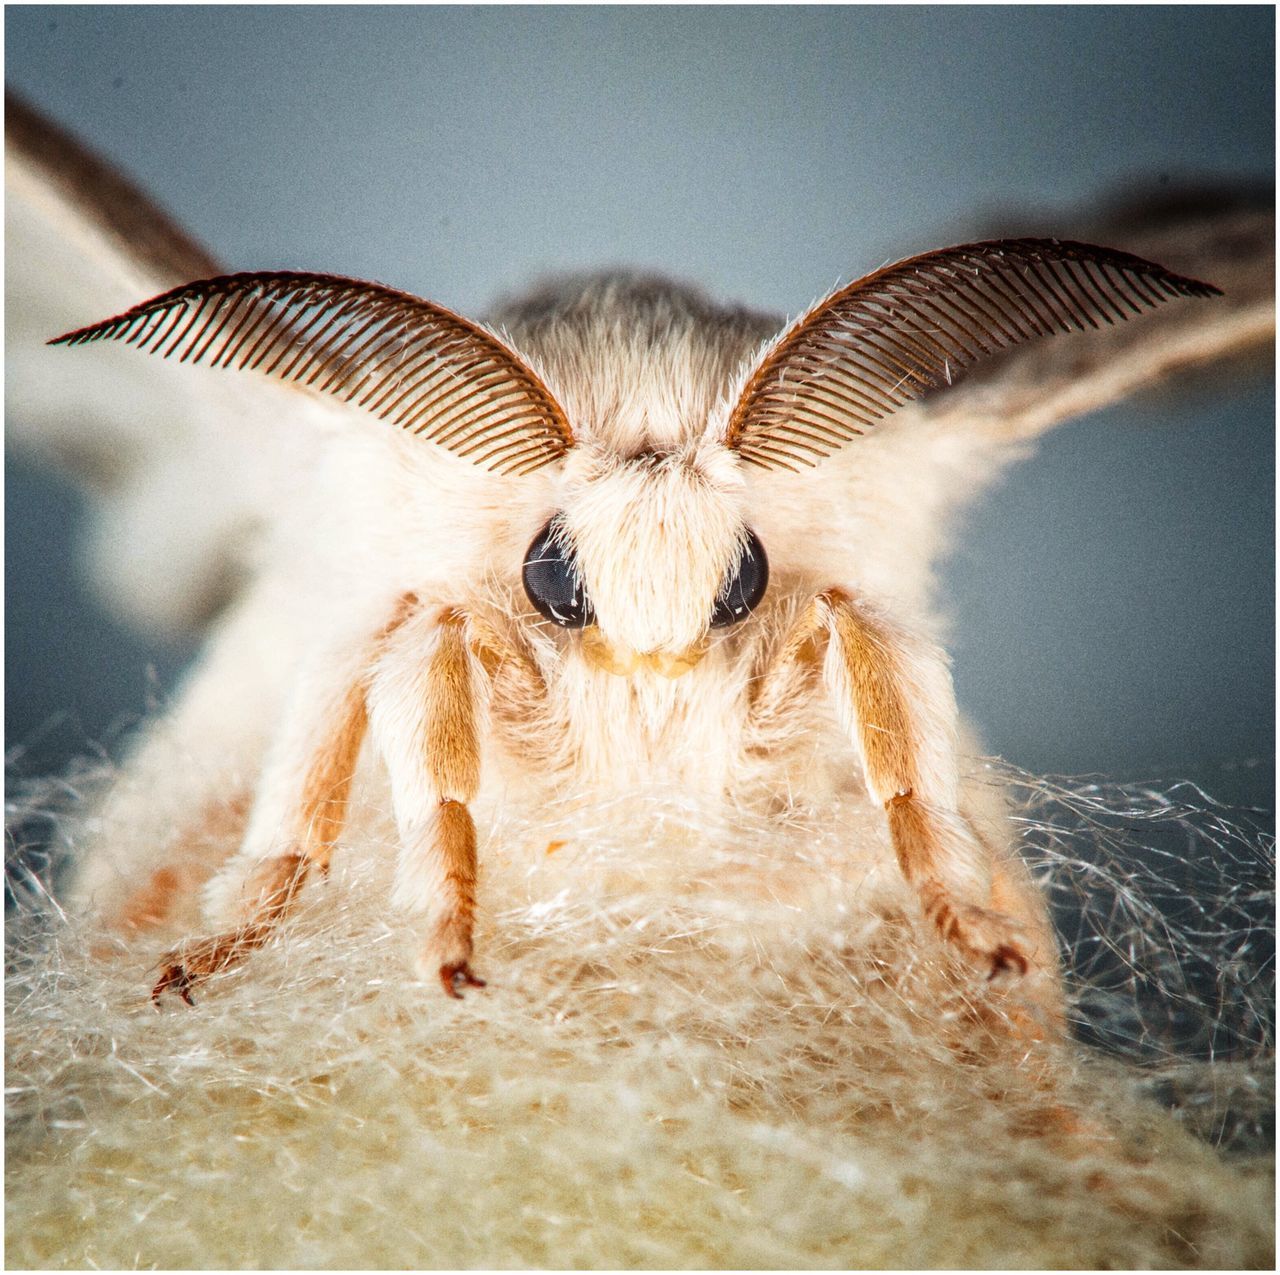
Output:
x=648 y=553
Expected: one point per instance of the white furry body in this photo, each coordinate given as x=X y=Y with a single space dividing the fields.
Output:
x=389 y=525
x=714 y=1041
x=622 y=414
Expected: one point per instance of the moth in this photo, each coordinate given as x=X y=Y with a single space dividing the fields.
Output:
x=622 y=534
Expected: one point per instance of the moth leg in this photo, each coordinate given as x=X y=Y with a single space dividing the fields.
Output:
x=894 y=697
x=787 y=677
x=1040 y=1009
x=427 y=705
x=297 y=818
x=273 y=885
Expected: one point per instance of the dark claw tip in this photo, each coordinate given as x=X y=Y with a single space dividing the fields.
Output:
x=454 y=976
x=1006 y=960
x=174 y=978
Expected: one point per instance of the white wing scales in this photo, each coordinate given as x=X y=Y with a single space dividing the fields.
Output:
x=185 y=467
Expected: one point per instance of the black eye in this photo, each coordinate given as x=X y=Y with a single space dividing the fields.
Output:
x=745 y=587
x=552 y=581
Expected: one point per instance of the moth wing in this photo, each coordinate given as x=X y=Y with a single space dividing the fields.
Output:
x=963 y=438
x=183 y=469
x=879 y=509
x=1226 y=237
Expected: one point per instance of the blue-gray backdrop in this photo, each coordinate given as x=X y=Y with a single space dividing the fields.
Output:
x=1112 y=602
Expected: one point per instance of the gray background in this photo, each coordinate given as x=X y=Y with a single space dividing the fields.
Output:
x=1112 y=602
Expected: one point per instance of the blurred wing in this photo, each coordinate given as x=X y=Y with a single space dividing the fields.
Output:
x=147 y=244
x=1222 y=235
x=403 y=359
x=915 y=327
x=183 y=470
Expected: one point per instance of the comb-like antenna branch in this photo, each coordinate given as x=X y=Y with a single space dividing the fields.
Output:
x=404 y=359
x=895 y=334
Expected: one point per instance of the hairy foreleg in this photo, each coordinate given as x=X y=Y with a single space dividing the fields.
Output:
x=272 y=886
x=985 y=807
x=427 y=702
x=894 y=697
x=297 y=818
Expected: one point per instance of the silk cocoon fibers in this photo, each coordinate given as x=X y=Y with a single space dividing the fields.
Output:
x=709 y=1040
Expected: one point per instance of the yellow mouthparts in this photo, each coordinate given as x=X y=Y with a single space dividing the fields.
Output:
x=623 y=661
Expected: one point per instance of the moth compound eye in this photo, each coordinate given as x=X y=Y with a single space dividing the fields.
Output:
x=745 y=586
x=552 y=581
